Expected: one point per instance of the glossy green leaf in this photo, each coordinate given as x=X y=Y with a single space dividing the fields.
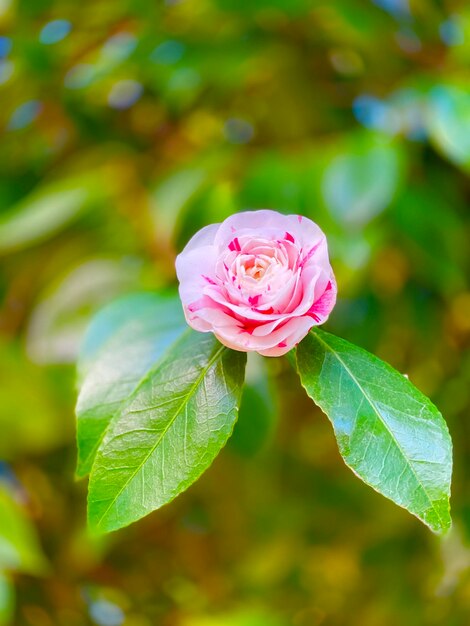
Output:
x=122 y=344
x=388 y=432
x=19 y=546
x=179 y=418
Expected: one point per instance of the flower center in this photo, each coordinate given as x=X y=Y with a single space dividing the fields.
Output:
x=255 y=267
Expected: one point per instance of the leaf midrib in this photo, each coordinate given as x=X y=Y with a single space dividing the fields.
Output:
x=188 y=396
x=376 y=411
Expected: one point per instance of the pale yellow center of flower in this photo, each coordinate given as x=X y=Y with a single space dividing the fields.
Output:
x=256 y=267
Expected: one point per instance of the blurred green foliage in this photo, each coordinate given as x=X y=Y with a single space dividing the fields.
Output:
x=125 y=126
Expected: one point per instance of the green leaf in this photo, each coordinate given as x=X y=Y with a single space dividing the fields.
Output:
x=174 y=193
x=33 y=422
x=19 y=546
x=388 y=432
x=58 y=321
x=179 y=418
x=448 y=122
x=360 y=183
x=7 y=600
x=122 y=344
x=427 y=222
x=47 y=210
x=257 y=417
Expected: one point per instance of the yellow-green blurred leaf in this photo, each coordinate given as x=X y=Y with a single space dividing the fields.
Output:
x=46 y=211
x=19 y=546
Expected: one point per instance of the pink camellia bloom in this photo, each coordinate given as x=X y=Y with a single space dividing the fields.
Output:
x=259 y=281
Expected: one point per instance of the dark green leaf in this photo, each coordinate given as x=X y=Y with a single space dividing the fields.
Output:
x=258 y=410
x=179 y=418
x=7 y=600
x=388 y=432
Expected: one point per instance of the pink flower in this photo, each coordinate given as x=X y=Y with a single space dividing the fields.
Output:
x=259 y=281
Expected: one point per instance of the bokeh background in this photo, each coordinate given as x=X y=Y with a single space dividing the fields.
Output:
x=125 y=126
